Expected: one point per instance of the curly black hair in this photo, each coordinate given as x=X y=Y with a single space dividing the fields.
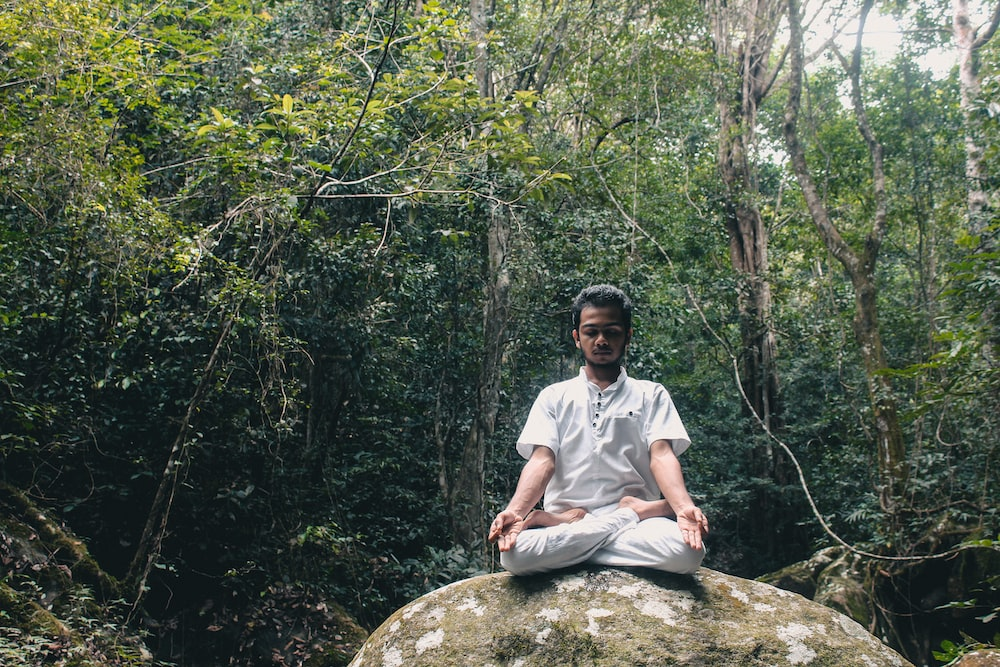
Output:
x=599 y=296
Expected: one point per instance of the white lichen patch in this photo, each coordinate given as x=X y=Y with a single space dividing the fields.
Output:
x=436 y=614
x=550 y=614
x=737 y=593
x=392 y=657
x=592 y=616
x=793 y=635
x=393 y=627
x=542 y=635
x=652 y=602
x=763 y=608
x=413 y=609
x=767 y=590
x=430 y=640
x=852 y=628
x=668 y=611
x=572 y=583
x=631 y=591
x=887 y=658
x=470 y=604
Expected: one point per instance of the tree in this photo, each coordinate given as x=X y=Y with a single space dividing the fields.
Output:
x=466 y=495
x=860 y=264
x=743 y=35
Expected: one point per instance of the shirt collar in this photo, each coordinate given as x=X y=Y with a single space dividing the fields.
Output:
x=622 y=376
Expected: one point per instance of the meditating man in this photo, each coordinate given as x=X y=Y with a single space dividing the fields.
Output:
x=602 y=449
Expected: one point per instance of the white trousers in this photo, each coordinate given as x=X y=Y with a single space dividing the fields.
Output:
x=618 y=539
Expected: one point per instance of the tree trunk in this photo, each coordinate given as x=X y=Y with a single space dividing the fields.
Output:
x=891 y=447
x=860 y=266
x=466 y=498
x=467 y=492
x=479 y=26
x=744 y=81
x=969 y=41
x=746 y=64
x=148 y=548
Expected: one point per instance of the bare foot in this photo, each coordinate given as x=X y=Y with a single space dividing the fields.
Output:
x=543 y=519
x=646 y=508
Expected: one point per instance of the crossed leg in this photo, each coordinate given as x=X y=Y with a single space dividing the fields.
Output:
x=625 y=537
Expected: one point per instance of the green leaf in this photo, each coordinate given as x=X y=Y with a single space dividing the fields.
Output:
x=319 y=166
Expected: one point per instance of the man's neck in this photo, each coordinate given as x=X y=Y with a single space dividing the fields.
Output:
x=604 y=375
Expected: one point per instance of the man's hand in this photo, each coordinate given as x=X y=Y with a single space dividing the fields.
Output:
x=505 y=529
x=693 y=525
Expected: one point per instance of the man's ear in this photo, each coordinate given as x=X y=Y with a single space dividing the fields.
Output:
x=576 y=337
x=628 y=337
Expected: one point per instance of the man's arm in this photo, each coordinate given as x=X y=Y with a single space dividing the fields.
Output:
x=531 y=485
x=666 y=471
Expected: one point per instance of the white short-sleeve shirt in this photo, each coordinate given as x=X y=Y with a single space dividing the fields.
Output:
x=601 y=439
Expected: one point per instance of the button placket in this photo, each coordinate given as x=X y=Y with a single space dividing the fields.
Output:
x=597 y=410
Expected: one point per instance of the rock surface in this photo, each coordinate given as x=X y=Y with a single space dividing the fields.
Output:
x=603 y=617
x=980 y=658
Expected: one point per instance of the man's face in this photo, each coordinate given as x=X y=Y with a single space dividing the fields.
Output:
x=602 y=335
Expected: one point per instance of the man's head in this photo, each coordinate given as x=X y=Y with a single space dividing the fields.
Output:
x=602 y=326
x=600 y=296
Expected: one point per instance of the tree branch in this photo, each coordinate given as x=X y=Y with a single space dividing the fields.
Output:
x=821 y=218
x=364 y=108
x=991 y=28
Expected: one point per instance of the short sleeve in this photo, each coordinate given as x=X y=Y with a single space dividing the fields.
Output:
x=664 y=423
x=540 y=428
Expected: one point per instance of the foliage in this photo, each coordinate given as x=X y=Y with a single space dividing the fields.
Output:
x=951 y=652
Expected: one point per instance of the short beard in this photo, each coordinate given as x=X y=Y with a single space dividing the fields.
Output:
x=616 y=363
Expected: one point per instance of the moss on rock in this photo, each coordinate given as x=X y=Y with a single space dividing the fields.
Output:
x=54 y=607
x=28 y=523
x=802 y=577
x=841 y=586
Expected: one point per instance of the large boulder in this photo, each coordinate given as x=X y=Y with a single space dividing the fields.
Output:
x=602 y=616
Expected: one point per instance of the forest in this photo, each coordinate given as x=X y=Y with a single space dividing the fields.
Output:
x=280 y=280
